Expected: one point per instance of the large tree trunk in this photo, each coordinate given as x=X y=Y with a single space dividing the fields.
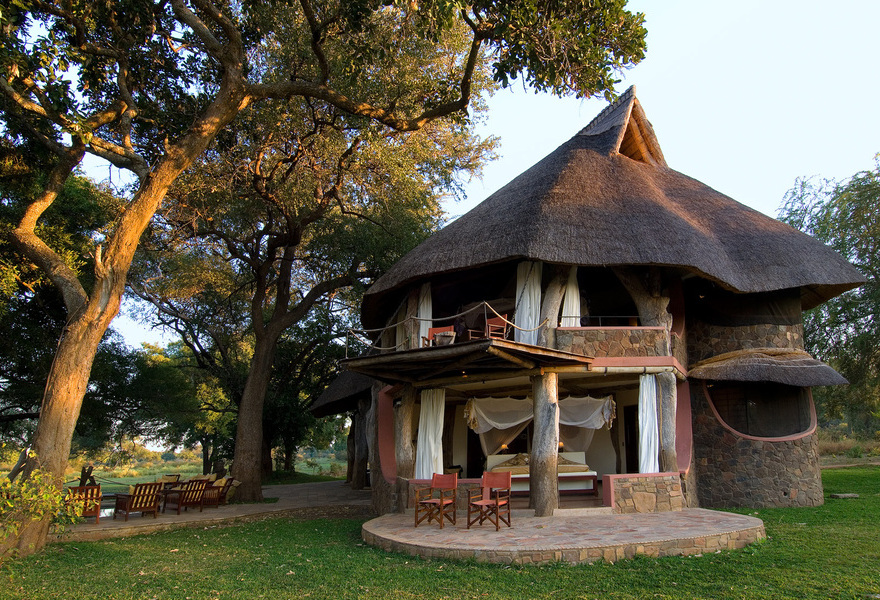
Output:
x=248 y=458
x=65 y=388
x=361 y=446
x=668 y=399
x=543 y=482
x=403 y=433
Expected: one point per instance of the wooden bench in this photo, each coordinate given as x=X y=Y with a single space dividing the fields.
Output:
x=89 y=497
x=143 y=498
x=215 y=495
x=191 y=493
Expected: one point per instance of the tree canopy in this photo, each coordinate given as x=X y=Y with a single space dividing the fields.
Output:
x=147 y=85
x=845 y=331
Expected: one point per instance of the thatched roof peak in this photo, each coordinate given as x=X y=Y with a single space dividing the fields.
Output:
x=606 y=197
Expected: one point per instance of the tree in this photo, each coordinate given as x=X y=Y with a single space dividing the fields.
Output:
x=148 y=85
x=844 y=331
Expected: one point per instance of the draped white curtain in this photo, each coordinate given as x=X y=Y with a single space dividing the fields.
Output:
x=429 y=448
x=499 y=420
x=649 y=435
x=425 y=312
x=528 y=301
x=571 y=303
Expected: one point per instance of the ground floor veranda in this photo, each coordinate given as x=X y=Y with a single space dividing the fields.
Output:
x=579 y=531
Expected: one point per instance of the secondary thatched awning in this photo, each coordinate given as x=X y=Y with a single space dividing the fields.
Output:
x=477 y=360
x=787 y=366
x=342 y=394
x=606 y=198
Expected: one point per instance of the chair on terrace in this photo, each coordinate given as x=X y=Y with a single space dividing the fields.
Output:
x=448 y=336
x=191 y=493
x=89 y=497
x=492 y=502
x=437 y=502
x=143 y=498
x=496 y=328
x=215 y=495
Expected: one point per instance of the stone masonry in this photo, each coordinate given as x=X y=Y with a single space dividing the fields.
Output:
x=736 y=471
x=611 y=341
x=646 y=493
x=706 y=341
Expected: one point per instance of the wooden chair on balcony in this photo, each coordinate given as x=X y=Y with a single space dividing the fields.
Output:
x=492 y=502
x=89 y=497
x=143 y=498
x=496 y=328
x=191 y=493
x=431 y=340
x=437 y=503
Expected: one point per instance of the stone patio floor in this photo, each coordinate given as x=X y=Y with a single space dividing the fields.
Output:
x=578 y=532
x=573 y=536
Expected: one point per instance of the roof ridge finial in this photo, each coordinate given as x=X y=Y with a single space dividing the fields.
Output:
x=626 y=96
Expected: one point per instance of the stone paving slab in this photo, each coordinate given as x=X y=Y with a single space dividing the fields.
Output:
x=293 y=500
x=572 y=539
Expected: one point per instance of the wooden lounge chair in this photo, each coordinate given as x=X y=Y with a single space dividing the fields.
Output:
x=191 y=493
x=492 y=502
x=89 y=497
x=437 y=502
x=144 y=498
x=215 y=495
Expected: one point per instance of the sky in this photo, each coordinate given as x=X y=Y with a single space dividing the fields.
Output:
x=744 y=96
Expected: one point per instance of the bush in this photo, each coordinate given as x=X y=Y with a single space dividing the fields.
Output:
x=856 y=451
x=32 y=499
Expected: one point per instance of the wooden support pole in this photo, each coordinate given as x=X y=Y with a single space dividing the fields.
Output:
x=403 y=434
x=361 y=447
x=543 y=483
x=667 y=401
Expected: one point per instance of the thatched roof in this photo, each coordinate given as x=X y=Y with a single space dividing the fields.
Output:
x=342 y=394
x=606 y=197
x=791 y=367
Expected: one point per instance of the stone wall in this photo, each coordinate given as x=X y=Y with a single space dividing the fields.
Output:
x=706 y=341
x=736 y=471
x=613 y=341
x=643 y=493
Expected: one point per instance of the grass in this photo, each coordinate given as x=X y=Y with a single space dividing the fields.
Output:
x=827 y=552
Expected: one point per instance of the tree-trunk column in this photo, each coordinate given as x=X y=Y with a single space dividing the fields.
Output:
x=666 y=391
x=403 y=434
x=361 y=447
x=543 y=483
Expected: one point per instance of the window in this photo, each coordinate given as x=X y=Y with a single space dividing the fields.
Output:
x=768 y=410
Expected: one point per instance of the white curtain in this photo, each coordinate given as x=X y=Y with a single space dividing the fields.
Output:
x=499 y=420
x=425 y=312
x=571 y=303
x=492 y=440
x=528 y=302
x=400 y=339
x=484 y=414
x=649 y=436
x=575 y=439
x=429 y=448
x=587 y=412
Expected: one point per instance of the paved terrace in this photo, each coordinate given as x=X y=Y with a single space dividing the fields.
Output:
x=305 y=500
x=577 y=533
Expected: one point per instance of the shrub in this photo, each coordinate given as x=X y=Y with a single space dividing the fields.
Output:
x=856 y=451
x=32 y=499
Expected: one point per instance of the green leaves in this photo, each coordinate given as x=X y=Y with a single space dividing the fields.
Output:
x=845 y=331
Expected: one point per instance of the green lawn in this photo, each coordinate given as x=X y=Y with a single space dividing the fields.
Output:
x=827 y=552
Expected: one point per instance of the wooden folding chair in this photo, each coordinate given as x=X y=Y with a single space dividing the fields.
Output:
x=492 y=502
x=440 y=506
